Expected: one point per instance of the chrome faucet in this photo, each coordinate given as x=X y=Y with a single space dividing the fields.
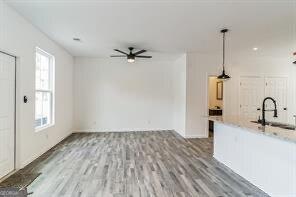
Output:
x=264 y=110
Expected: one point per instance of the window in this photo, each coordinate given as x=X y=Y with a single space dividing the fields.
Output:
x=44 y=85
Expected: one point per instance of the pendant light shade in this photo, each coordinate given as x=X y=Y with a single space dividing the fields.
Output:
x=224 y=76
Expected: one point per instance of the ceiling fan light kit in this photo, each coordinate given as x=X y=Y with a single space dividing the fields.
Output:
x=223 y=76
x=131 y=57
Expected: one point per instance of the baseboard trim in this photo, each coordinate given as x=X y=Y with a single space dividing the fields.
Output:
x=8 y=175
x=195 y=136
x=179 y=133
x=137 y=130
x=110 y=131
x=30 y=160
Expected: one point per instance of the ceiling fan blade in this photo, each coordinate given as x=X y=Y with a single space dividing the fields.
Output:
x=139 y=52
x=118 y=56
x=143 y=56
x=120 y=51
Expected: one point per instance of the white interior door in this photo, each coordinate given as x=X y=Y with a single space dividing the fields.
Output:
x=276 y=87
x=251 y=97
x=7 y=113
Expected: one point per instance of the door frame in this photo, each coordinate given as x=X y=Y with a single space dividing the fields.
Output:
x=15 y=115
x=208 y=75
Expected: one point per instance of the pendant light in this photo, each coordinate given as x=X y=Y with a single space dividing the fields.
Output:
x=223 y=76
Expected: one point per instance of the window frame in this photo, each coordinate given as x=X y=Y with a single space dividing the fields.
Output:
x=50 y=90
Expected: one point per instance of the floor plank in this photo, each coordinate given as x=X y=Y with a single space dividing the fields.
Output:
x=132 y=164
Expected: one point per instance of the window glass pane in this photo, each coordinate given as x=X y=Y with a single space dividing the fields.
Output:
x=38 y=109
x=44 y=92
x=43 y=109
x=46 y=108
x=44 y=74
x=38 y=71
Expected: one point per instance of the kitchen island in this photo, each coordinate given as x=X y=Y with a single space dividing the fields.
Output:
x=264 y=155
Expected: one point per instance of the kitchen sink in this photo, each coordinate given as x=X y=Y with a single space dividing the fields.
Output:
x=277 y=124
x=289 y=127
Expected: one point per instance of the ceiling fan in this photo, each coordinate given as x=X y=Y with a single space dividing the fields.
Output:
x=131 y=56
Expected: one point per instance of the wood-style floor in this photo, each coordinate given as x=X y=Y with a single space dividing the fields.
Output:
x=156 y=163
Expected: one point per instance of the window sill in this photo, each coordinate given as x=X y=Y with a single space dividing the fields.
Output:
x=43 y=127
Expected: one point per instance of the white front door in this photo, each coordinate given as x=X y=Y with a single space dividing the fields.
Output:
x=276 y=87
x=251 y=97
x=7 y=113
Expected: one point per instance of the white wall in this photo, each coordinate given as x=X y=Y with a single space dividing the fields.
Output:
x=20 y=38
x=113 y=95
x=199 y=67
x=179 y=85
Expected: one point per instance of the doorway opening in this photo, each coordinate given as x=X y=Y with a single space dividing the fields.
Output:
x=215 y=100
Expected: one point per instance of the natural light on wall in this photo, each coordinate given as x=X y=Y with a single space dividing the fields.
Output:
x=44 y=85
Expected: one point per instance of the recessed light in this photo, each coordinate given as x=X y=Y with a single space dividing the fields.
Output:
x=255 y=49
x=77 y=39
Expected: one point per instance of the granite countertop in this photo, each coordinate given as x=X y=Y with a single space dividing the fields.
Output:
x=236 y=121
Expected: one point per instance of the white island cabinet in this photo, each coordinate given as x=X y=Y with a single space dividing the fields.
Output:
x=265 y=156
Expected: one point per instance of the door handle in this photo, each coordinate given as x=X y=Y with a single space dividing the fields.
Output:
x=258 y=109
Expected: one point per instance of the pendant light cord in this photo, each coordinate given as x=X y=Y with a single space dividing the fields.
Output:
x=223 y=50
x=223 y=76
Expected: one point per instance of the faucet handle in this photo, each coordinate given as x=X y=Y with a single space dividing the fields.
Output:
x=275 y=113
x=259 y=119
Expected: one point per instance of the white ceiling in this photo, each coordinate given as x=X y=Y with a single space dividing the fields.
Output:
x=167 y=26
